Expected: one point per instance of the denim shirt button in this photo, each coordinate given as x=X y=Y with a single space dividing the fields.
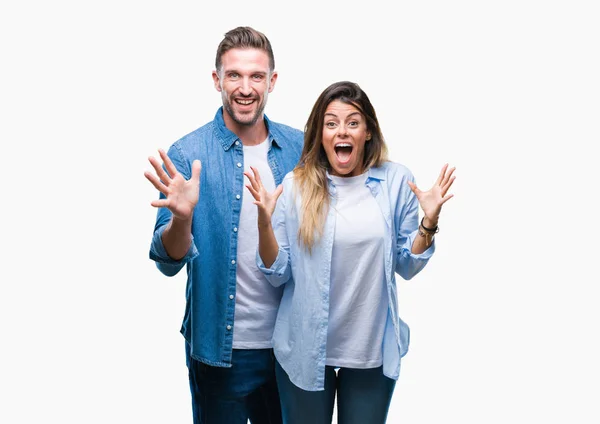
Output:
x=237 y=196
x=229 y=327
x=237 y=143
x=231 y=297
x=239 y=165
x=235 y=229
x=233 y=262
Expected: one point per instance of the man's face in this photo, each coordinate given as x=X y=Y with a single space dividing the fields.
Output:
x=245 y=82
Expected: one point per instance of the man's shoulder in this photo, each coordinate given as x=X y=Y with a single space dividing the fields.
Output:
x=286 y=128
x=196 y=143
x=286 y=133
x=193 y=137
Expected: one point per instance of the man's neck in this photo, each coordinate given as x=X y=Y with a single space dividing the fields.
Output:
x=250 y=135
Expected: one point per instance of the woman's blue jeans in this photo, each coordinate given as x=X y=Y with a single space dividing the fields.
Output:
x=363 y=397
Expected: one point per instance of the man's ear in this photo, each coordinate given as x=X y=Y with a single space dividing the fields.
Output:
x=216 y=81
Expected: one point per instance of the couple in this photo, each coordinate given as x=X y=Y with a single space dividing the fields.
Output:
x=291 y=292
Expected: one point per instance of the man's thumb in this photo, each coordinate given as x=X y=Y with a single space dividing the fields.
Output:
x=196 y=168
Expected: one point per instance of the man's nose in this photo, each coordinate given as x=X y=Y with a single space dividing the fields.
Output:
x=245 y=87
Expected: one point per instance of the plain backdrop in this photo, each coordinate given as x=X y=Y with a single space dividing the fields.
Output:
x=504 y=319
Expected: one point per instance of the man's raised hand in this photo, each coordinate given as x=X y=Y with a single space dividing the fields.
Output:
x=181 y=194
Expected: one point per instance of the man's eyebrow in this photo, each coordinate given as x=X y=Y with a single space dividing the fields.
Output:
x=228 y=71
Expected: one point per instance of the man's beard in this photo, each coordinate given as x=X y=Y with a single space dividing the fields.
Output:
x=227 y=104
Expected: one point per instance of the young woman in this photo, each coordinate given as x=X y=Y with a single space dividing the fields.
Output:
x=347 y=222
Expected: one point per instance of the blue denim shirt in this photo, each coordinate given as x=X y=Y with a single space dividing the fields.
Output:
x=208 y=322
x=300 y=336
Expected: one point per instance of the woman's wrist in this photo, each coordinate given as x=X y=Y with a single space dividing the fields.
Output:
x=429 y=225
x=264 y=224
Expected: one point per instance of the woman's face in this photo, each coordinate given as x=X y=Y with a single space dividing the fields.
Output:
x=344 y=137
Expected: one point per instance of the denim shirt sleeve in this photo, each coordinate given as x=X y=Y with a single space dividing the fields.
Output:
x=409 y=264
x=280 y=271
x=164 y=262
x=158 y=253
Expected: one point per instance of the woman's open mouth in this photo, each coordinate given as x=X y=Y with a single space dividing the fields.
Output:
x=343 y=151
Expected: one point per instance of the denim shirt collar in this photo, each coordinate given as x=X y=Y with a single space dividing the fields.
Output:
x=228 y=137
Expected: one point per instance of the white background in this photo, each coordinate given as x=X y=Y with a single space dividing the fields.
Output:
x=504 y=318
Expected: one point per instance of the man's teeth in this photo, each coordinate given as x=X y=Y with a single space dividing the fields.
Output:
x=244 y=102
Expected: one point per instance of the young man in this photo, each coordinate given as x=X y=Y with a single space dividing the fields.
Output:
x=207 y=222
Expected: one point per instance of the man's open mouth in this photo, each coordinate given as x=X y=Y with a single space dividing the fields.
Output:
x=244 y=102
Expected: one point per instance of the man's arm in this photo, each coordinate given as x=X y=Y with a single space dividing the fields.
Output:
x=180 y=197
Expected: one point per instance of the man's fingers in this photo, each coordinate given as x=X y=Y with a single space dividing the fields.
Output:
x=196 y=169
x=160 y=203
x=164 y=177
x=156 y=182
x=168 y=163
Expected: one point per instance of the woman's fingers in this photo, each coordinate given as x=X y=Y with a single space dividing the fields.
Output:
x=442 y=173
x=447 y=176
x=252 y=180
x=256 y=175
x=413 y=187
x=254 y=187
x=447 y=186
x=254 y=193
x=445 y=199
x=277 y=192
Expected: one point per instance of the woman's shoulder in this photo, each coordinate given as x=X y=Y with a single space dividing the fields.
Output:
x=288 y=183
x=289 y=178
x=393 y=170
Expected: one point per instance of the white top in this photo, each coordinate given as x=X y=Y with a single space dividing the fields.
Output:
x=256 y=300
x=358 y=301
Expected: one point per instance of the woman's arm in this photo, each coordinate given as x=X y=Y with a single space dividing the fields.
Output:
x=431 y=202
x=268 y=247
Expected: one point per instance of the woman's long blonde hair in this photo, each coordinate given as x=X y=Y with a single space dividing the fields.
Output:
x=311 y=172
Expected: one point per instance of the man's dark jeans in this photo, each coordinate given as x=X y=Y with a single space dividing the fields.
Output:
x=247 y=390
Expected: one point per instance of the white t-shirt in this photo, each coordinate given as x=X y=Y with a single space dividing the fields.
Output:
x=358 y=301
x=256 y=300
